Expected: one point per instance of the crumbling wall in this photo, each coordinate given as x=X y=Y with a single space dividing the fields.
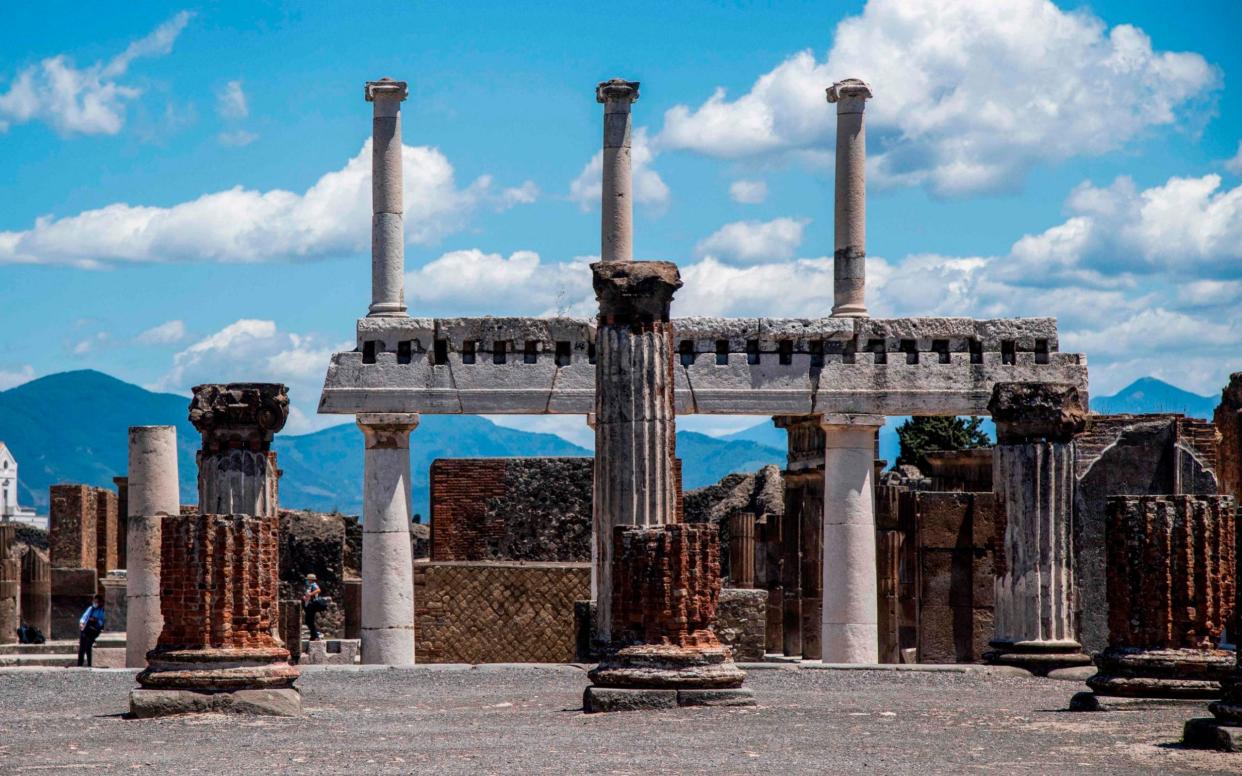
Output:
x=741 y=622
x=528 y=509
x=497 y=611
x=71 y=527
x=317 y=543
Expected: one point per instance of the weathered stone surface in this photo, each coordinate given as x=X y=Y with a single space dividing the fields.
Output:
x=738 y=696
x=1033 y=411
x=72 y=532
x=616 y=191
x=36 y=592
x=667 y=666
x=72 y=591
x=315 y=543
x=1211 y=733
x=239 y=415
x=741 y=620
x=332 y=652
x=635 y=290
x=1228 y=422
x=148 y=704
x=604 y=699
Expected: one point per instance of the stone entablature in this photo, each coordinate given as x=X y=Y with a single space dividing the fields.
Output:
x=741 y=366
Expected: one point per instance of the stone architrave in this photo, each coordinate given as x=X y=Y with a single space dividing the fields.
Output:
x=635 y=427
x=850 y=255
x=1033 y=472
x=387 y=558
x=387 y=199
x=1170 y=596
x=617 y=192
x=237 y=471
x=154 y=493
x=36 y=592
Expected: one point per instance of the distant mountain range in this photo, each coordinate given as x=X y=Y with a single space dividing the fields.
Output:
x=72 y=427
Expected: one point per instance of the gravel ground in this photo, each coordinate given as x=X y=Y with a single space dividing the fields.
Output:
x=508 y=720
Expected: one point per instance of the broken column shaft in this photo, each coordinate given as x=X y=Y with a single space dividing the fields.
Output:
x=154 y=494
x=387 y=558
x=617 y=195
x=387 y=199
x=1033 y=474
x=850 y=207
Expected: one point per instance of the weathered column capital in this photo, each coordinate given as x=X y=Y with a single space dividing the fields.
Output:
x=849 y=420
x=239 y=415
x=1032 y=412
x=850 y=95
x=634 y=291
x=616 y=94
x=387 y=430
x=385 y=89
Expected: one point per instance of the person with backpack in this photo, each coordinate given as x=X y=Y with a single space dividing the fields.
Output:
x=91 y=625
x=312 y=603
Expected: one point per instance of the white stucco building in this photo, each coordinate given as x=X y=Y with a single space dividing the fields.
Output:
x=9 y=508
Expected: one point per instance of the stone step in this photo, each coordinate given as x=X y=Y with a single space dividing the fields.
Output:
x=62 y=646
x=106 y=657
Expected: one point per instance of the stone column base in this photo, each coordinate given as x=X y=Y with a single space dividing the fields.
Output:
x=1037 y=657
x=1089 y=701
x=1129 y=672
x=218 y=670
x=1211 y=733
x=660 y=666
x=603 y=699
x=145 y=704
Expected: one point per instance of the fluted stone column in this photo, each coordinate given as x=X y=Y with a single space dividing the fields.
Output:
x=635 y=428
x=387 y=205
x=387 y=560
x=237 y=472
x=617 y=198
x=850 y=208
x=154 y=493
x=1170 y=595
x=850 y=627
x=1033 y=472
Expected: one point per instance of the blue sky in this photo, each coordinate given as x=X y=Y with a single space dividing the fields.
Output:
x=185 y=193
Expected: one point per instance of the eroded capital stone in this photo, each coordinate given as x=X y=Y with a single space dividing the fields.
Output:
x=387 y=430
x=1026 y=412
x=634 y=291
x=616 y=90
x=850 y=95
x=385 y=88
x=239 y=415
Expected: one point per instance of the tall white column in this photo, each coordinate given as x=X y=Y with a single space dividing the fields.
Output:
x=387 y=559
x=617 y=196
x=154 y=492
x=850 y=207
x=850 y=623
x=387 y=207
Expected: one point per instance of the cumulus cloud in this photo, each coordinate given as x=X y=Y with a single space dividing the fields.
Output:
x=332 y=217
x=466 y=282
x=166 y=333
x=90 y=344
x=231 y=101
x=254 y=350
x=748 y=192
x=11 y=378
x=751 y=241
x=649 y=187
x=969 y=94
x=1234 y=165
x=87 y=101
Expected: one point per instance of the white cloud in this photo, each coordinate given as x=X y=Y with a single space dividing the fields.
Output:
x=166 y=333
x=649 y=187
x=1234 y=165
x=332 y=217
x=88 y=345
x=231 y=101
x=89 y=100
x=750 y=241
x=11 y=378
x=237 y=138
x=252 y=350
x=474 y=282
x=968 y=95
x=748 y=192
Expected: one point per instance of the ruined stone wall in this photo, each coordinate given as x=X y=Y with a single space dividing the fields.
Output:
x=1228 y=423
x=315 y=543
x=1129 y=455
x=958 y=541
x=36 y=592
x=10 y=584
x=73 y=534
x=219 y=581
x=107 y=537
x=968 y=471
x=528 y=509
x=497 y=612
x=741 y=622
x=72 y=590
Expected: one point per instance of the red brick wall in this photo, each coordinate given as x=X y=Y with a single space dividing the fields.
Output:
x=219 y=581
x=666 y=584
x=71 y=529
x=460 y=489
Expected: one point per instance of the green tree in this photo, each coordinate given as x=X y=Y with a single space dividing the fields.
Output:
x=923 y=434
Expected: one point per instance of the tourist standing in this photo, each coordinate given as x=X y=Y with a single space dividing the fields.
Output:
x=312 y=604
x=91 y=625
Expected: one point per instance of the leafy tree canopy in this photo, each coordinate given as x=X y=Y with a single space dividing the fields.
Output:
x=923 y=434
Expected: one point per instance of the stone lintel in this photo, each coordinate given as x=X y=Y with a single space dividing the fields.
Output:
x=832 y=420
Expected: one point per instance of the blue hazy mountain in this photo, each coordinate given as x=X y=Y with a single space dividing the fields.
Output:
x=72 y=427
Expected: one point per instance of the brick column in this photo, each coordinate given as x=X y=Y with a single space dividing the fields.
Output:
x=1033 y=473
x=237 y=471
x=635 y=427
x=217 y=651
x=36 y=600
x=1170 y=595
x=387 y=557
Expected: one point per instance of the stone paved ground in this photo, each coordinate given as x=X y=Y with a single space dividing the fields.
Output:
x=528 y=720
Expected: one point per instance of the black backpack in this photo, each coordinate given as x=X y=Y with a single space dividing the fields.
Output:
x=28 y=634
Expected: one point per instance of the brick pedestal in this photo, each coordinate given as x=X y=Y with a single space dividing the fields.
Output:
x=1170 y=594
x=664 y=651
x=218 y=593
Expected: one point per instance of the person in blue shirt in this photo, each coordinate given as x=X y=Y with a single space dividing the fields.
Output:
x=312 y=604
x=91 y=625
